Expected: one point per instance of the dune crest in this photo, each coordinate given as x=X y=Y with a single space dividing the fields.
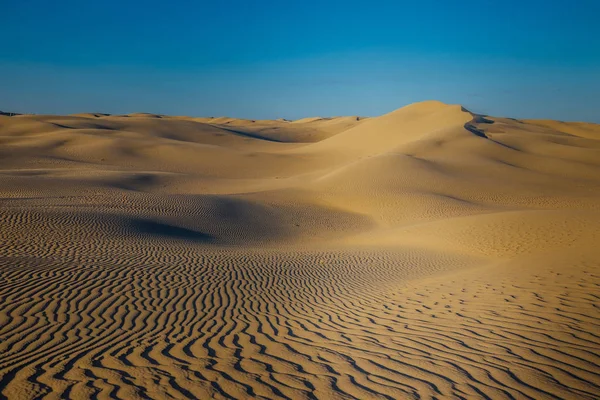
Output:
x=426 y=253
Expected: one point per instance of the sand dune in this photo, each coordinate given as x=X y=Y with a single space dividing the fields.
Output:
x=426 y=253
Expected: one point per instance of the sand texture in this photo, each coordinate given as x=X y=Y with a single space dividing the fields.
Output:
x=427 y=253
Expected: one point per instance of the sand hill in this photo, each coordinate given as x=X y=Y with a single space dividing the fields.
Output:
x=426 y=253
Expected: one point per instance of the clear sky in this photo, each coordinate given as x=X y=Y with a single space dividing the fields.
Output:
x=292 y=59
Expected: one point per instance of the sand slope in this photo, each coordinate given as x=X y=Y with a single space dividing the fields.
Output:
x=425 y=253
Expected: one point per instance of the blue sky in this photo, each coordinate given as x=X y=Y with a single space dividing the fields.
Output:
x=291 y=59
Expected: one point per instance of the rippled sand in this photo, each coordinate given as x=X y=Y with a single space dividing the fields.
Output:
x=426 y=253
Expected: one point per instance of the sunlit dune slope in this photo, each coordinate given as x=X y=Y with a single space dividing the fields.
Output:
x=426 y=253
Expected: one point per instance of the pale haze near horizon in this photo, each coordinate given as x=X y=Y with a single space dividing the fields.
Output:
x=267 y=60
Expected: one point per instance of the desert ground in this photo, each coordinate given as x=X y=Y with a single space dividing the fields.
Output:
x=427 y=253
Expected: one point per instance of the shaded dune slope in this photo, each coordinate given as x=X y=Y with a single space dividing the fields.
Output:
x=426 y=253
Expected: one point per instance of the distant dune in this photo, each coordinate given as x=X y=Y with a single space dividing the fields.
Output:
x=8 y=114
x=425 y=253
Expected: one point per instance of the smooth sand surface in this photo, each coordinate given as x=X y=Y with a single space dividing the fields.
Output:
x=427 y=253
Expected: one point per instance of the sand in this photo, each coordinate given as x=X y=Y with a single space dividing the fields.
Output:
x=426 y=253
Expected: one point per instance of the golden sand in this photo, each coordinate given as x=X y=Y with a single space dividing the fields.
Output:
x=426 y=253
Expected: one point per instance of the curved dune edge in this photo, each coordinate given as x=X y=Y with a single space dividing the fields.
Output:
x=426 y=253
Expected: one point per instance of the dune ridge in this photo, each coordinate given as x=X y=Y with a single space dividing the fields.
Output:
x=426 y=253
